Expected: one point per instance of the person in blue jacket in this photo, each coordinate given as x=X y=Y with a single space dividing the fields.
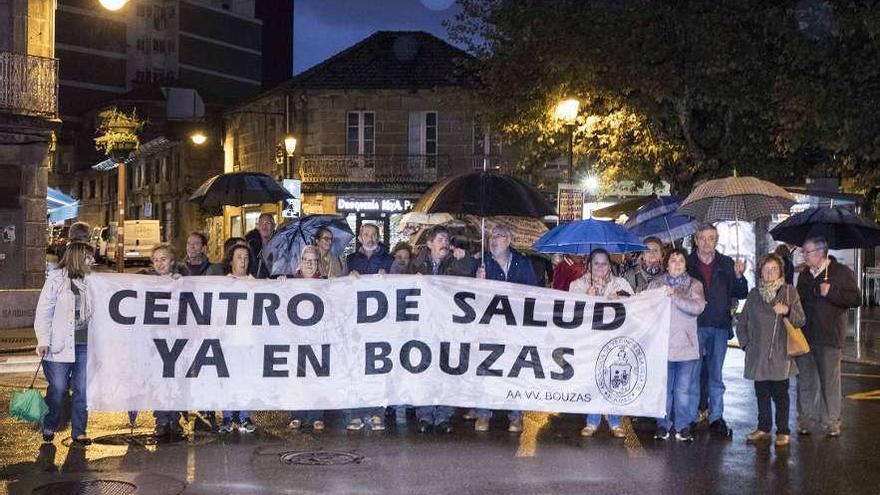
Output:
x=503 y=263
x=723 y=284
x=372 y=256
x=370 y=259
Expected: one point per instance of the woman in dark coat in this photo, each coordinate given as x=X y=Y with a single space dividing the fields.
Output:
x=763 y=336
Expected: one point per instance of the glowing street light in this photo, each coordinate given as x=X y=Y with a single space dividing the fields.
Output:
x=567 y=112
x=289 y=145
x=198 y=138
x=113 y=5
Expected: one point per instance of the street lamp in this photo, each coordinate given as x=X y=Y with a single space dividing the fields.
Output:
x=289 y=145
x=198 y=138
x=567 y=112
x=118 y=138
x=113 y=4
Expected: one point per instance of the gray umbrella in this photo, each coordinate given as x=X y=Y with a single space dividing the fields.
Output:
x=282 y=252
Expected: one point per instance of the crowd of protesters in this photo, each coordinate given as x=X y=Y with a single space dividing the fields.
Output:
x=705 y=287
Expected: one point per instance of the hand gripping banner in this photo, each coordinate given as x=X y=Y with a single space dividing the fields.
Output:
x=212 y=343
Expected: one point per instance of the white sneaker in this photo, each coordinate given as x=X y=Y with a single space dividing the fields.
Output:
x=357 y=424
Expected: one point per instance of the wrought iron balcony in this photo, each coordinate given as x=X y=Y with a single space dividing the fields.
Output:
x=372 y=168
x=28 y=85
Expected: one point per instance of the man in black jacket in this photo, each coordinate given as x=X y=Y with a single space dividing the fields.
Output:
x=257 y=240
x=827 y=290
x=723 y=283
x=438 y=260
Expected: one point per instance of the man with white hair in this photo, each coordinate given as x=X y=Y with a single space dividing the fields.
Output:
x=827 y=290
x=507 y=265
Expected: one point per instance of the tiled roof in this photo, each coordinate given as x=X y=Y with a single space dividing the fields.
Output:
x=389 y=60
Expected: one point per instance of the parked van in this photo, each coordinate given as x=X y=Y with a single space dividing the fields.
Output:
x=140 y=237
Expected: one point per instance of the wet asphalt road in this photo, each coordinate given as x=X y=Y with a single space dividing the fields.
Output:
x=549 y=457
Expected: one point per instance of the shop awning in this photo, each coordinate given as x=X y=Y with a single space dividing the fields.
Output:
x=60 y=206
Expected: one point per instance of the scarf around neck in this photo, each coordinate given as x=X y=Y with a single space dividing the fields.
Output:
x=768 y=290
x=674 y=281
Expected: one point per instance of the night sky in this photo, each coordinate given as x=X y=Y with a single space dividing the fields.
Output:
x=322 y=28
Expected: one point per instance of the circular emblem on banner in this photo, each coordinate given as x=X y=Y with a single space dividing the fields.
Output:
x=621 y=371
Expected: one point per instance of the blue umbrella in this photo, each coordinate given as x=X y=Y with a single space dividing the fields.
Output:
x=583 y=236
x=659 y=218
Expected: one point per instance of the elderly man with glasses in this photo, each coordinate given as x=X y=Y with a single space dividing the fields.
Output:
x=503 y=263
x=827 y=290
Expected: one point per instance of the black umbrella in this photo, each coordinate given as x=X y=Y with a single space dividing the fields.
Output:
x=282 y=252
x=842 y=228
x=485 y=194
x=238 y=188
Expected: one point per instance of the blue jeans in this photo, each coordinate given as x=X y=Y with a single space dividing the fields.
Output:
x=487 y=413
x=59 y=375
x=713 y=349
x=680 y=379
x=242 y=415
x=434 y=415
x=308 y=417
x=595 y=419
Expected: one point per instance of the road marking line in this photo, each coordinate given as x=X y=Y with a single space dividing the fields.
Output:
x=869 y=395
x=528 y=439
x=859 y=375
x=631 y=442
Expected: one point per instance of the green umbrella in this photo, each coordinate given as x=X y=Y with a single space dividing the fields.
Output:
x=28 y=405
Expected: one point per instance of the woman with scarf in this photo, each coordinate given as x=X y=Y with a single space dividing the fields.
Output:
x=599 y=281
x=648 y=266
x=683 y=361
x=61 y=322
x=762 y=334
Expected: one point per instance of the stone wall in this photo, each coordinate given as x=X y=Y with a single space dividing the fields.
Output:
x=24 y=158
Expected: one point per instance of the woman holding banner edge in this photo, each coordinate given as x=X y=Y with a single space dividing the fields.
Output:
x=599 y=281
x=683 y=368
x=61 y=324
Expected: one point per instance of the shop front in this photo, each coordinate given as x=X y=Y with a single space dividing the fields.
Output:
x=384 y=211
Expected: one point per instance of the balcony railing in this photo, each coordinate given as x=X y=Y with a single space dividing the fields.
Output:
x=28 y=85
x=372 y=168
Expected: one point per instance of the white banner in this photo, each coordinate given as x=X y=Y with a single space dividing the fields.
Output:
x=212 y=343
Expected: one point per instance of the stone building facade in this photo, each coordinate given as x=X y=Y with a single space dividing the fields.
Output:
x=28 y=121
x=376 y=125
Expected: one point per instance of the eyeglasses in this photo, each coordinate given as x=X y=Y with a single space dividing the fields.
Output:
x=310 y=260
x=325 y=238
x=499 y=236
x=810 y=252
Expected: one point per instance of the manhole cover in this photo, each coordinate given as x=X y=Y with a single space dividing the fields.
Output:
x=320 y=458
x=87 y=487
x=136 y=439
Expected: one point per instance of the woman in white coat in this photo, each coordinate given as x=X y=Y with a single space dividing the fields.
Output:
x=61 y=324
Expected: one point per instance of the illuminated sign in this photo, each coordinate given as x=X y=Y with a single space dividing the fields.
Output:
x=379 y=205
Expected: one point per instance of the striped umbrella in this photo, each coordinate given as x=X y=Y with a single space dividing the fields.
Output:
x=736 y=198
